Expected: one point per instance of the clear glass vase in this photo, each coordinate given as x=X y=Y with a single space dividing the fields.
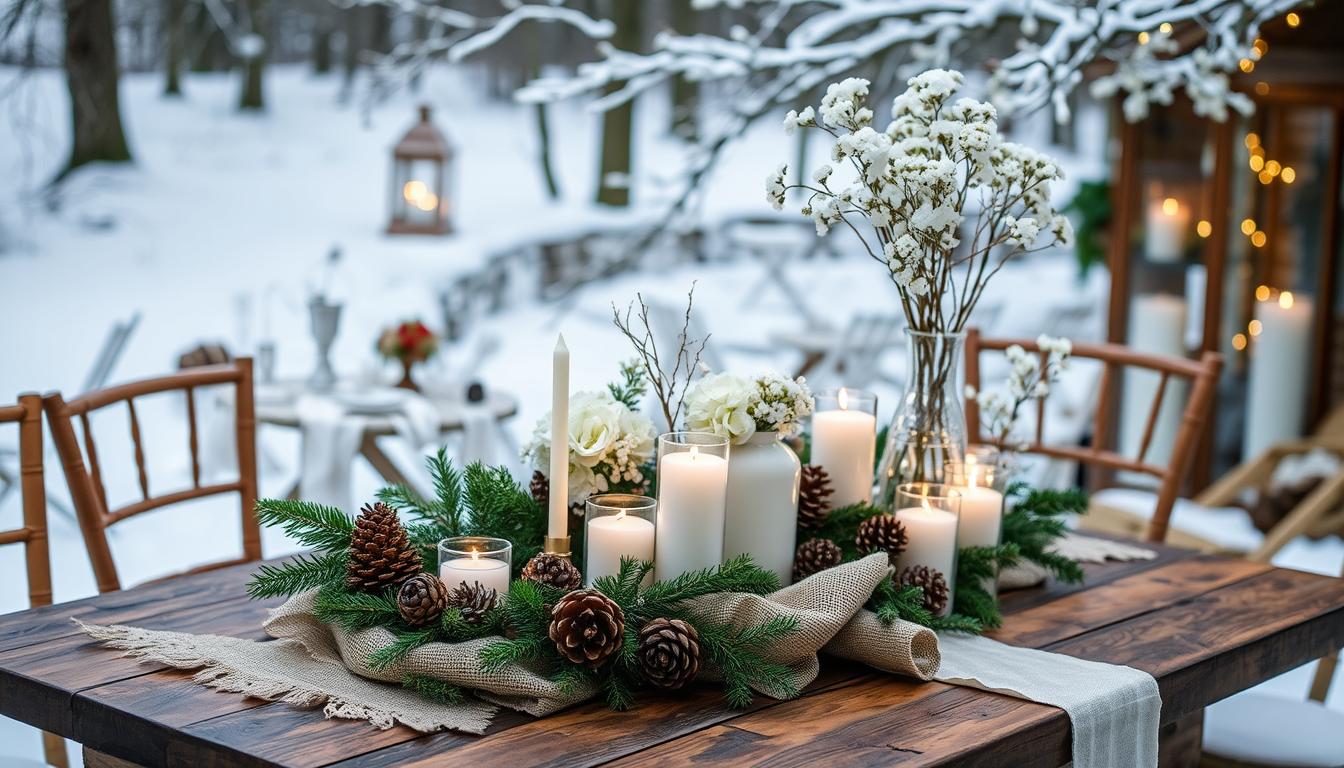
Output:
x=928 y=429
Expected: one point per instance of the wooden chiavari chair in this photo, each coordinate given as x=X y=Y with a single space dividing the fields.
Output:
x=1201 y=374
x=33 y=535
x=86 y=482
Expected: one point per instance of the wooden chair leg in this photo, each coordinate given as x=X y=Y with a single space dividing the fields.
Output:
x=1179 y=743
x=1325 y=672
x=53 y=750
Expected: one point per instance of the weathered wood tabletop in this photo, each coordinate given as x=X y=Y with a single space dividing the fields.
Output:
x=1205 y=627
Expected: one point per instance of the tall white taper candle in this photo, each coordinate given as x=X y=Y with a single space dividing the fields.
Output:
x=559 y=497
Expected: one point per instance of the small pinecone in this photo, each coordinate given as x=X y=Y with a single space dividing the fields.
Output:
x=552 y=570
x=473 y=601
x=421 y=599
x=381 y=554
x=814 y=497
x=669 y=653
x=587 y=627
x=881 y=533
x=814 y=556
x=541 y=489
x=931 y=581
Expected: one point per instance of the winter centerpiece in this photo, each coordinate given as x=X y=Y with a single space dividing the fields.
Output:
x=756 y=414
x=408 y=343
x=947 y=203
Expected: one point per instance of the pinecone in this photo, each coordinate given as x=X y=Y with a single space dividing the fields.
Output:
x=881 y=533
x=541 y=489
x=381 y=554
x=931 y=581
x=814 y=497
x=552 y=570
x=814 y=556
x=669 y=653
x=587 y=627
x=473 y=601
x=421 y=599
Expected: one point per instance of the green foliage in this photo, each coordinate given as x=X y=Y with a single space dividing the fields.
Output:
x=977 y=568
x=1091 y=207
x=303 y=572
x=1036 y=520
x=353 y=611
x=632 y=385
x=739 y=656
x=525 y=612
x=434 y=690
x=404 y=643
x=325 y=529
x=841 y=526
x=739 y=574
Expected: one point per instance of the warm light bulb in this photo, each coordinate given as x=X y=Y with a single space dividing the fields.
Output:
x=843 y=399
x=1255 y=327
x=1288 y=175
x=1260 y=47
x=1239 y=341
x=1262 y=293
x=1293 y=19
x=1261 y=88
x=1246 y=65
x=1286 y=299
x=1272 y=167
x=1143 y=38
x=1170 y=206
x=1252 y=140
x=1203 y=228
x=414 y=190
x=1266 y=177
x=427 y=202
x=1258 y=239
x=1247 y=226
x=1164 y=27
x=1256 y=162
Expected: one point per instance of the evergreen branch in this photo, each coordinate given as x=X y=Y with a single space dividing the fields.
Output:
x=617 y=693
x=405 y=643
x=1037 y=521
x=448 y=487
x=326 y=529
x=739 y=574
x=353 y=611
x=842 y=524
x=738 y=656
x=632 y=386
x=623 y=587
x=496 y=656
x=502 y=509
x=457 y=629
x=905 y=603
x=957 y=623
x=433 y=689
x=304 y=572
x=570 y=678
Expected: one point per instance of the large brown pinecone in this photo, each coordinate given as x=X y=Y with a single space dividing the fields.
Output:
x=814 y=556
x=552 y=570
x=473 y=601
x=931 y=581
x=881 y=533
x=421 y=599
x=587 y=627
x=541 y=489
x=814 y=497
x=381 y=554
x=669 y=653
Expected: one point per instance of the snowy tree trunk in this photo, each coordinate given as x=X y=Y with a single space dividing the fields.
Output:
x=322 y=35
x=614 y=176
x=536 y=44
x=254 y=56
x=173 y=48
x=354 y=44
x=685 y=92
x=91 y=74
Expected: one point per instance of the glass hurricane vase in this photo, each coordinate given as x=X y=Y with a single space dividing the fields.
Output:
x=928 y=429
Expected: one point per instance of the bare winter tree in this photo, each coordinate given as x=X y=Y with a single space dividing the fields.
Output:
x=92 y=76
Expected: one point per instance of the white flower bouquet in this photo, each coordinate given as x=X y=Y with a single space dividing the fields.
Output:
x=610 y=446
x=1000 y=410
x=739 y=407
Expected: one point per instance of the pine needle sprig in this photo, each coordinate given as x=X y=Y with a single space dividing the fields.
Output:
x=632 y=386
x=977 y=569
x=906 y=603
x=617 y=692
x=353 y=611
x=501 y=508
x=841 y=524
x=623 y=587
x=1037 y=520
x=326 y=529
x=525 y=612
x=304 y=572
x=404 y=643
x=739 y=574
x=434 y=689
x=736 y=653
x=571 y=678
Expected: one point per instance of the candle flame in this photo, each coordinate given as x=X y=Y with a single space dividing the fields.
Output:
x=925 y=503
x=974 y=478
x=1170 y=206
x=475 y=555
x=1286 y=299
x=843 y=399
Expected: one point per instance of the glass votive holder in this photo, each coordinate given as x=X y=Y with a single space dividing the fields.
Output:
x=476 y=560
x=981 y=520
x=692 y=496
x=844 y=442
x=930 y=513
x=617 y=525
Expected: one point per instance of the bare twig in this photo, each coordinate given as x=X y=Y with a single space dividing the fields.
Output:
x=670 y=379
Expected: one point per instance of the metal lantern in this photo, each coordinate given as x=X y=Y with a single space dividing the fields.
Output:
x=421 y=198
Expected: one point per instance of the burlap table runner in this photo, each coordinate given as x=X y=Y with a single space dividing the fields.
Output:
x=312 y=663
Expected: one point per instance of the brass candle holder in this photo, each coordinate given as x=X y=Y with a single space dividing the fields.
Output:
x=557 y=545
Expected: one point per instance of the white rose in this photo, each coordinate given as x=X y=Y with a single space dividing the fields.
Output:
x=594 y=424
x=720 y=403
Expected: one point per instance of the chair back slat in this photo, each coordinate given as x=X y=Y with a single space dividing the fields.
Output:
x=1202 y=373
x=86 y=486
x=192 y=442
x=1040 y=404
x=1151 y=425
x=143 y=476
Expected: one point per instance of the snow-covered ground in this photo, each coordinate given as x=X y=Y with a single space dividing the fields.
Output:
x=218 y=232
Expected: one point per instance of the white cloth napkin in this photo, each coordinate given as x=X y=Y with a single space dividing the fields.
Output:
x=331 y=439
x=1115 y=710
x=418 y=420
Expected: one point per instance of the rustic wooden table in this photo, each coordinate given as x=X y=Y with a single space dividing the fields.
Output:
x=1206 y=627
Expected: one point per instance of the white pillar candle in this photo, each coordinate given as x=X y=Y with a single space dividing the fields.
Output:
x=558 y=519
x=611 y=537
x=1167 y=224
x=1156 y=326
x=486 y=571
x=981 y=517
x=692 y=487
x=932 y=542
x=843 y=442
x=1279 y=373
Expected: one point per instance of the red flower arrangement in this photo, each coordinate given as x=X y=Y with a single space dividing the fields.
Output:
x=409 y=343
